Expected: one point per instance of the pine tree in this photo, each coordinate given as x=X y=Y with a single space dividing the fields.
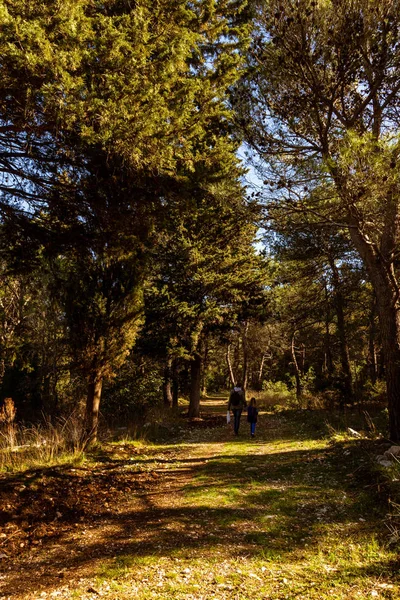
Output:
x=320 y=104
x=138 y=91
x=209 y=276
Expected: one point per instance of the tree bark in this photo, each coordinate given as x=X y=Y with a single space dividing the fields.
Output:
x=328 y=364
x=203 y=371
x=229 y=363
x=389 y=320
x=195 y=386
x=303 y=359
x=328 y=360
x=341 y=327
x=387 y=304
x=167 y=390
x=175 y=384
x=92 y=408
x=299 y=389
x=372 y=357
x=261 y=370
x=245 y=329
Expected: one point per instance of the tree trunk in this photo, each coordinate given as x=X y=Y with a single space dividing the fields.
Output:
x=303 y=359
x=372 y=357
x=341 y=328
x=167 y=391
x=175 y=384
x=229 y=363
x=245 y=356
x=389 y=320
x=386 y=290
x=92 y=408
x=299 y=389
x=195 y=386
x=328 y=360
x=203 y=372
x=261 y=370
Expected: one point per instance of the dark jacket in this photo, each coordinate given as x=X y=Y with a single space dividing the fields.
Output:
x=252 y=413
x=236 y=399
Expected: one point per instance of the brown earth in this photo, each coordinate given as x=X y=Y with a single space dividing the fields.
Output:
x=58 y=524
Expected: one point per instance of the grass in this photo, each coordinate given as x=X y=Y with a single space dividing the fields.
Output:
x=296 y=513
x=286 y=516
x=42 y=445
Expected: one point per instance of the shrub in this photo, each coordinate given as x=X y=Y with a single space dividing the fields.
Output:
x=136 y=390
x=277 y=393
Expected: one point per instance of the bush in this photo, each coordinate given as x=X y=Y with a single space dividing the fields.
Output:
x=374 y=392
x=135 y=391
x=277 y=393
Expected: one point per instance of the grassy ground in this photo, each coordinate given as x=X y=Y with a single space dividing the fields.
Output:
x=289 y=514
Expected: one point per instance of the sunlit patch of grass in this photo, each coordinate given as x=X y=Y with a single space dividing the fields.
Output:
x=264 y=575
x=128 y=441
x=121 y=566
x=116 y=568
x=302 y=524
x=32 y=460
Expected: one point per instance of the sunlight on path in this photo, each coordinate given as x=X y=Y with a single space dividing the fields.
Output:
x=277 y=517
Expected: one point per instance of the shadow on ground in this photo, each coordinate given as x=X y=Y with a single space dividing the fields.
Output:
x=249 y=500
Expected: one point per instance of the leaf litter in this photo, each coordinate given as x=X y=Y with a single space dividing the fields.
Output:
x=192 y=522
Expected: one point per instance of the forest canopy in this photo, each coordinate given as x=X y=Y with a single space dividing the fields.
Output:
x=142 y=261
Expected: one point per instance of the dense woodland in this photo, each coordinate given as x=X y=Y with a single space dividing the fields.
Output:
x=142 y=260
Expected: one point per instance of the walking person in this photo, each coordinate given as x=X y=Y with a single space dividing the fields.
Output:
x=236 y=404
x=252 y=412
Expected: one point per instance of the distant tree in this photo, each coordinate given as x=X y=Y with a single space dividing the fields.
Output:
x=209 y=275
x=34 y=358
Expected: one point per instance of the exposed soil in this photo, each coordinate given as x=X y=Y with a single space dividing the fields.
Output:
x=58 y=523
x=211 y=498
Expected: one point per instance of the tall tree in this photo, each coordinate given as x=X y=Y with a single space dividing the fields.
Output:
x=323 y=256
x=321 y=104
x=99 y=278
x=136 y=90
x=209 y=272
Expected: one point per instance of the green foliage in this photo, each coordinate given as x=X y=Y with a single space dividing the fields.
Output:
x=135 y=391
x=147 y=82
x=117 y=116
x=308 y=380
x=122 y=198
x=277 y=393
x=369 y=165
x=208 y=273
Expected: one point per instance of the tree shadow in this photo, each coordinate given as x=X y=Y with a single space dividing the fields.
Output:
x=272 y=505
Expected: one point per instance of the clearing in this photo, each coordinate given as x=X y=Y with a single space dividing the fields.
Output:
x=286 y=515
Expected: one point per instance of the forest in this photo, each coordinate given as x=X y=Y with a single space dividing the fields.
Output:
x=193 y=194
x=196 y=194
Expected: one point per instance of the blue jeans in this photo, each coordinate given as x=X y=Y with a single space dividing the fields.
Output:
x=236 y=415
x=252 y=428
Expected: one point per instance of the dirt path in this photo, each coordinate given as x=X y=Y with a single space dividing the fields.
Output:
x=62 y=523
x=281 y=516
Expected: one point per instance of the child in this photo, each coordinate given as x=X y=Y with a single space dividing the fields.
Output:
x=252 y=413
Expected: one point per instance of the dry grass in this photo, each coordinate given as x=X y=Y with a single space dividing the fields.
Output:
x=25 y=447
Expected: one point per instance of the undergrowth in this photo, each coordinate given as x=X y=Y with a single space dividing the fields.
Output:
x=43 y=444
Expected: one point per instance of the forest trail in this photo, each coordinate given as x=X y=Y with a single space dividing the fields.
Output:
x=286 y=515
